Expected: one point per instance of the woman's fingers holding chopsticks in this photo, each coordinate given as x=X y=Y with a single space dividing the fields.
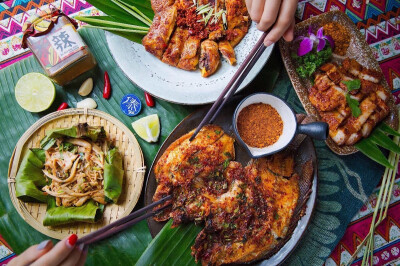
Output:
x=284 y=24
x=32 y=254
x=64 y=253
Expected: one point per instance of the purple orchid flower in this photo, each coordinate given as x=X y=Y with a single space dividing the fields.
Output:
x=307 y=43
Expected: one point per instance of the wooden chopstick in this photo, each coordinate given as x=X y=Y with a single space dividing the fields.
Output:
x=233 y=84
x=124 y=223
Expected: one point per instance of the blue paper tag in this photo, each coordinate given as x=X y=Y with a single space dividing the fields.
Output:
x=130 y=105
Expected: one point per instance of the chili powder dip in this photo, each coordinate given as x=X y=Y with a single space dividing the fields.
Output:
x=259 y=125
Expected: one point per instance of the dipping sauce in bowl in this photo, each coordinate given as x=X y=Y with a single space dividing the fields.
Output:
x=259 y=125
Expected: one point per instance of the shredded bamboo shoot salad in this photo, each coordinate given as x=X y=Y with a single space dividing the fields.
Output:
x=75 y=167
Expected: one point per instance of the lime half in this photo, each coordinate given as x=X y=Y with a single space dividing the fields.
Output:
x=35 y=92
x=148 y=128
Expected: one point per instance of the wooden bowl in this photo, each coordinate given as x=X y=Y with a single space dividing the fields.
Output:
x=358 y=50
x=133 y=163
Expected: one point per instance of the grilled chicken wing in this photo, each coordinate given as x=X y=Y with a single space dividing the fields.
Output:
x=190 y=54
x=227 y=52
x=156 y=40
x=173 y=53
x=209 y=58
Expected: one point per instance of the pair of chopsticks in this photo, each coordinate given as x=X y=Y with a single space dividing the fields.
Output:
x=124 y=223
x=233 y=84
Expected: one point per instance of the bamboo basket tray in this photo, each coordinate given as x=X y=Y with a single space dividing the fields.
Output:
x=133 y=163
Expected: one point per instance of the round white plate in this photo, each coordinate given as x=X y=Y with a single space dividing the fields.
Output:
x=179 y=86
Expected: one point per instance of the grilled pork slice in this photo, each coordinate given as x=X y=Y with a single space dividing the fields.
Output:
x=227 y=52
x=190 y=54
x=327 y=100
x=156 y=40
x=209 y=58
x=173 y=53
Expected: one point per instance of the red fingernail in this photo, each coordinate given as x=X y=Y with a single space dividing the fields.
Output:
x=71 y=241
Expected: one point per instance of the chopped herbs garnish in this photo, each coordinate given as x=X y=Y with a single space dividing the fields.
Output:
x=226 y=163
x=217 y=132
x=354 y=106
x=352 y=85
x=276 y=216
x=194 y=160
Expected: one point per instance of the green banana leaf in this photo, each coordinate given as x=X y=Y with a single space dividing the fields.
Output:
x=90 y=212
x=100 y=21
x=369 y=149
x=380 y=138
x=78 y=131
x=30 y=177
x=387 y=129
x=120 y=15
x=172 y=246
x=126 y=247
x=113 y=175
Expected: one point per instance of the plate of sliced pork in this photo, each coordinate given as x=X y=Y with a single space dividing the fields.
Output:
x=338 y=80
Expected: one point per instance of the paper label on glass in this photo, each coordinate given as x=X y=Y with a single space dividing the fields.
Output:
x=66 y=41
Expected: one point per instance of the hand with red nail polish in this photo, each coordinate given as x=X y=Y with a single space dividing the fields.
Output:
x=274 y=15
x=64 y=252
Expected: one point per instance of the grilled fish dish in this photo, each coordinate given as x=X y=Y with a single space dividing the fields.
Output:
x=246 y=211
x=192 y=34
x=328 y=96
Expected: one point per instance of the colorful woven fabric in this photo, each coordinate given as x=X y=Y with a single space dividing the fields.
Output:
x=379 y=21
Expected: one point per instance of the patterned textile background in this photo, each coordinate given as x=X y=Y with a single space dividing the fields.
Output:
x=378 y=20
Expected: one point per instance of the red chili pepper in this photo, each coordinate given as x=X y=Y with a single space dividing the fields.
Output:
x=62 y=106
x=149 y=99
x=107 y=86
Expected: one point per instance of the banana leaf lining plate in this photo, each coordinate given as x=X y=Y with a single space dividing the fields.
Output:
x=123 y=138
x=358 y=50
x=308 y=188
x=176 y=85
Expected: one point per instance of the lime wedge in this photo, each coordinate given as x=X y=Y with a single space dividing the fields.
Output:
x=35 y=92
x=148 y=128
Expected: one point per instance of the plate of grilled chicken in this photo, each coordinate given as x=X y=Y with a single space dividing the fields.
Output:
x=191 y=51
x=250 y=210
x=324 y=94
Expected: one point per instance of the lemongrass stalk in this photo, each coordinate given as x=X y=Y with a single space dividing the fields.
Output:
x=134 y=8
x=116 y=29
x=112 y=23
x=393 y=158
x=127 y=9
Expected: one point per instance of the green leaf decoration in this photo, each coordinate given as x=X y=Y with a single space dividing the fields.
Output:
x=89 y=213
x=387 y=129
x=113 y=175
x=129 y=19
x=369 y=148
x=172 y=246
x=30 y=178
x=352 y=85
x=355 y=110
x=379 y=138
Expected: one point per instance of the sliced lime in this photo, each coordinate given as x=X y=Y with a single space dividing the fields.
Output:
x=148 y=128
x=35 y=92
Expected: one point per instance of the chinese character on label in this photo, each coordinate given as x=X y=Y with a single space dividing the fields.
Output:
x=66 y=41
x=131 y=105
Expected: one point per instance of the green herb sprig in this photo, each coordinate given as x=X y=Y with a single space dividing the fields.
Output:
x=352 y=85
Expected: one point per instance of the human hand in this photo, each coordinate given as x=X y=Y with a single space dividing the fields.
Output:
x=64 y=253
x=278 y=14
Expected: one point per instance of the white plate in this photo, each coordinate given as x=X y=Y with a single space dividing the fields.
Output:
x=179 y=86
